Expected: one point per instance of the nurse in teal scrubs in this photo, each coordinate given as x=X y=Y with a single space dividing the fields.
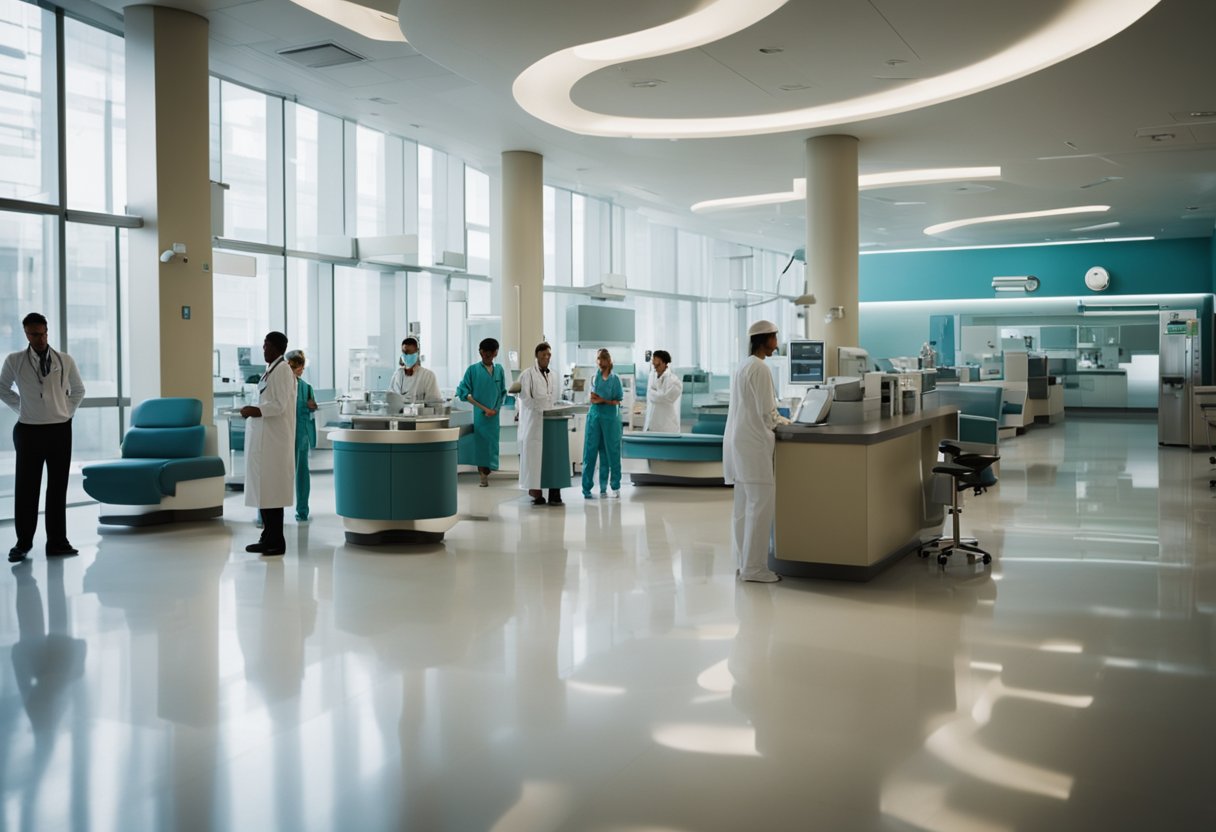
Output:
x=306 y=433
x=603 y=439
x=485 y=387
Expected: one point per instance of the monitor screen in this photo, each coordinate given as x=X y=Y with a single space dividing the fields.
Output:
x=806 y=362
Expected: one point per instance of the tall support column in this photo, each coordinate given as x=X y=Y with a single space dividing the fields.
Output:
x=168 y=134
x=523 y=254
x=831 y=241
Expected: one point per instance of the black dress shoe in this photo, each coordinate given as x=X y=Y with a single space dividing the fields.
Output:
x=538 y=501
x=60 y=550
x=256 y=548
x=17 y=554
x=556 y=501
x=272 y=550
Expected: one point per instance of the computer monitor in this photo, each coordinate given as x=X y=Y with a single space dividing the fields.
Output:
x=807 y=362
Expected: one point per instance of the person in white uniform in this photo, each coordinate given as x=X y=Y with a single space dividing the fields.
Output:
x=270 y=446
x=539 y=390
x=664 y=389
x=747 y=455
x=413 y=381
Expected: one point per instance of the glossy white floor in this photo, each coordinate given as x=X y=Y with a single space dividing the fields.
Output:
x=597 y=668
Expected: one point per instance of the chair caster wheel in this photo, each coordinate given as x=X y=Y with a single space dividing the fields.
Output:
x=943 y=560
x=987 y=559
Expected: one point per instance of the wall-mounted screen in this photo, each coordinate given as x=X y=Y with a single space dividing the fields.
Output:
x=806 y=362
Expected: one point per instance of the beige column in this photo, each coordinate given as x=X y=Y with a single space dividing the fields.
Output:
x=831 y=241
x=169 y=186
x=523 y=254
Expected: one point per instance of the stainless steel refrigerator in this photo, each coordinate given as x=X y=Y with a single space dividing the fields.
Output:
x=1181 y=369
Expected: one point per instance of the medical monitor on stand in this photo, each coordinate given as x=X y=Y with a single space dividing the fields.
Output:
x=807 y=363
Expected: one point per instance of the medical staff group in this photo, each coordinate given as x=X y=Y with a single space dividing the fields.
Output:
x=44 y=388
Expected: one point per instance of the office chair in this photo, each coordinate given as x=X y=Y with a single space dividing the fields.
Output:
x=966 y=471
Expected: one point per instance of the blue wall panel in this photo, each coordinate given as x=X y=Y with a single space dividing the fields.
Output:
x=1149 y=267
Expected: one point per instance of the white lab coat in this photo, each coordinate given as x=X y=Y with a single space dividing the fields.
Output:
x=538 y=392
x=270 y=441
x=422 y=386
x=663 y=394
x=747 y=462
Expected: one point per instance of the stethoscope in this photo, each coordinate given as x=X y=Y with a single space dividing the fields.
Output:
x=37 y=366
x=271 y=369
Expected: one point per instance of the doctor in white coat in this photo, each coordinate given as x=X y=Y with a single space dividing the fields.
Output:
x=664 y=389
x=539 y=390
x=270 y=446
x=747 y=455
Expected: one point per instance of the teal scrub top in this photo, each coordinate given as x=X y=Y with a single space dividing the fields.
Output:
x=608 y=388
x=306 y=428
x=488 y=387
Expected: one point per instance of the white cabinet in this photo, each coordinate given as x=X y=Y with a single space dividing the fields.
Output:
x=1098 y=390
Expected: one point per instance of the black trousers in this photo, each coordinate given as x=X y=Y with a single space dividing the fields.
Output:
x=272 y=526
x=38 y=446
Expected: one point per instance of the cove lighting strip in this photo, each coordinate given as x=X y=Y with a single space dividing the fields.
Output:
x=370 y=23
x=865 y=182
x=943 y=227
x=544 y=88
x=1010 y=245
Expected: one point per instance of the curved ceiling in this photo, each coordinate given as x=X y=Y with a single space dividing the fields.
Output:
x=835 y=49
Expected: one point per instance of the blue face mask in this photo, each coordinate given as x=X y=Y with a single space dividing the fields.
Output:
x=409 y=359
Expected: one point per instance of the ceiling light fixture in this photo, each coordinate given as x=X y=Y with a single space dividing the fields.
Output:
x=1203 y=114
x=943 y=227
x=544 y=88
x=1099 y=227
x=361 y=20
x=1011 y=245
x=865 y=182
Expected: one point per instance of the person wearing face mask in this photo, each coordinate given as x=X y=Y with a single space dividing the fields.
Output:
x=413 y=381
x=539 y=390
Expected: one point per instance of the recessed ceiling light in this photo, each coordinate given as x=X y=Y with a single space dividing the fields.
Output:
x=648 y=84
x=943 y=227
x=544 y=88
x=771 y=50
x=1203 y=114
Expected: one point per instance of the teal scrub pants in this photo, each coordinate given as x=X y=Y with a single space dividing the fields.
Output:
x=603 y=443
x=303 y=480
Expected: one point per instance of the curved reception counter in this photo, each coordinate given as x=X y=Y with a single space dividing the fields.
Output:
x=675 y=458
x=395 y=486
x=853 y=499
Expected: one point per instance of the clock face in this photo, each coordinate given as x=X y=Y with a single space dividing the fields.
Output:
x=1097 y=279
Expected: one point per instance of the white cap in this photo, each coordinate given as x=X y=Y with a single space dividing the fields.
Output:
x=762 y=328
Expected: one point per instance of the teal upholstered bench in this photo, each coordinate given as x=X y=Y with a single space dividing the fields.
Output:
x=675 y=458
x=163 y=476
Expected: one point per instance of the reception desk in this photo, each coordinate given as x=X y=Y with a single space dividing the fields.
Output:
x=395 y=486
x=853 y=499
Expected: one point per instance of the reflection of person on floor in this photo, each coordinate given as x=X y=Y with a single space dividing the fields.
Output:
x=46 y=661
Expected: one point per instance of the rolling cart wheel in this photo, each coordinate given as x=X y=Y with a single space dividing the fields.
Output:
x=987 y=559
x=943 y=560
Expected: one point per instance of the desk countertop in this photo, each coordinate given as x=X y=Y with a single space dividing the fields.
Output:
x=866 y=433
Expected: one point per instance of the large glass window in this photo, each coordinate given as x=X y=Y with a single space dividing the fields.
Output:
x=310 y=317
x=29 y=161
x=96 y=118
x=29 y=278
x=246 y=308
x=369 y=323
x=314 y=181
x=251 y=164
x=93 y=315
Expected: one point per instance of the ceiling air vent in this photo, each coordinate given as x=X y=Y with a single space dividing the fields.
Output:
x=320 y=55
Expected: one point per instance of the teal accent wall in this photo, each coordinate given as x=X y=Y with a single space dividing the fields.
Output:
x=1148 y=267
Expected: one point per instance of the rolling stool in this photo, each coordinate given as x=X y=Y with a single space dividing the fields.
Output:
x=966 y=470
x=1208 y=410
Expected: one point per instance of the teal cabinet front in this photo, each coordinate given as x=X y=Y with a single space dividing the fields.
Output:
x=362 y=480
